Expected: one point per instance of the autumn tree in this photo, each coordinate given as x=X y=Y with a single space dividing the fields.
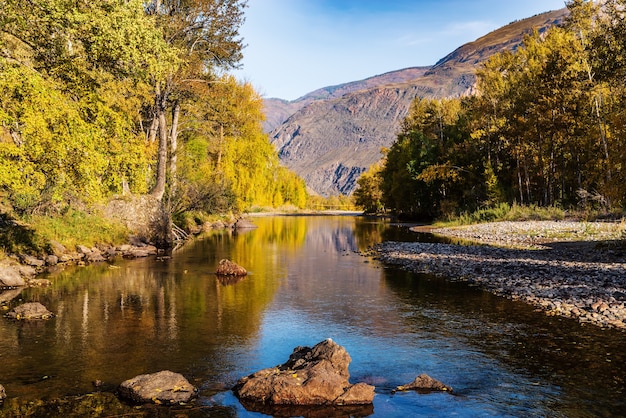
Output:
x=204 y=35
x=369 y=194
x=72 y=83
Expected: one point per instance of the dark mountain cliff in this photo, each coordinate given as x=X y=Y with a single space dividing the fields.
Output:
x=333 y=134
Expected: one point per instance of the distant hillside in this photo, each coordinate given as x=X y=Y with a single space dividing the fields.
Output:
x=335 y=133
x=278 y=110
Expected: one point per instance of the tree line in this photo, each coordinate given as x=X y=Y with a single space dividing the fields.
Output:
x=106 y=97
x=546 y=127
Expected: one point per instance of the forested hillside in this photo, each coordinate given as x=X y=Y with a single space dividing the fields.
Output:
x=546 y=127
x=110 y=97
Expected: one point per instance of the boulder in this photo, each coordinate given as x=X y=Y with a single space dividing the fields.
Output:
x=57 y=248
x=94 y=256
x=164 y=387
x=10 y=275
x=52 y=260
x=83 y=249
x=425 y=383
x=244 y=224
x=29 y=260
x=228 y=268
x=3 y=394
x=27 y=271
x=311 y=376
x=32 y=310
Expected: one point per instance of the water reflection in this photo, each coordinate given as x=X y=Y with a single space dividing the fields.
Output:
x=307 y=282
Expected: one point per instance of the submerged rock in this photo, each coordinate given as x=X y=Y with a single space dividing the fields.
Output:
x=311 y=376
x=425 y=383
x=228 y=268
x=32 y=310
x=164 y=387
x=3 y=394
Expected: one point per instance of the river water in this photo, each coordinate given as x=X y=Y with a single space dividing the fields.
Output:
x=307 y=282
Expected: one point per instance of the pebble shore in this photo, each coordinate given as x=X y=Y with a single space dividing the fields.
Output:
x=546 y=264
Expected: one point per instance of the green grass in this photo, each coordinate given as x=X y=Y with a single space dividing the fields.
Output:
x=76 y=227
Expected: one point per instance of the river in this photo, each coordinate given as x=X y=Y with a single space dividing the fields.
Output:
x=307 y=282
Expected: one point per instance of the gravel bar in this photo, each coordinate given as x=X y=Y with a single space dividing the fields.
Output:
x=557 y=272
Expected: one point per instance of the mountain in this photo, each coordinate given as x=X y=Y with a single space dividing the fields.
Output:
x=279 y=110
x=332 y=135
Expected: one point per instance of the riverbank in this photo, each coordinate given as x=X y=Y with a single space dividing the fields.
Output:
x=572 y=269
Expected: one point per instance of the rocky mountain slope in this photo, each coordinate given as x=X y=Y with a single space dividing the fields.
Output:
x=330 y=136
x=278 y=110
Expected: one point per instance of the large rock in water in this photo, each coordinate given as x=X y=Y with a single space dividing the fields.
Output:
x=311 y=376
x=164 y=387
x=32 y=310
x=228 y=268
x=244 y=223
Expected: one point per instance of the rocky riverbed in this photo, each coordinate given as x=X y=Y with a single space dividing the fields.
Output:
x=572 y=269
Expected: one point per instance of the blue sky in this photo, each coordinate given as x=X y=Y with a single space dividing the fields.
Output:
x=297 y=46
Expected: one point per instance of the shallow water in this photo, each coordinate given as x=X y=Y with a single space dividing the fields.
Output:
x=308 y=282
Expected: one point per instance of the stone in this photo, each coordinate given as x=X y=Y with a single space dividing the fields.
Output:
x=9 y=295
x=135 y=252
x=52 y=260
x=355 y=394
x=311 y=376
x=94 y=256
x=57 y=248
x=29 y=311
x=3 y=394
x=244 y=224
x=164 y=387
x=83 y=249
x=10 y=275
x=29 y=260
x=27 y=271
x=425 y=383
x=228 y=268
x=218 y=225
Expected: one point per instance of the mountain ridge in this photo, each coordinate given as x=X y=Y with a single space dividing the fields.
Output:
x=330 y=140
x=277 y=110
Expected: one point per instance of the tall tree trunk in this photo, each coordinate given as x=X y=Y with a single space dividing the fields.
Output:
x=154 y=127
x=159 y=188
x=174 y=146
x=161 y=173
